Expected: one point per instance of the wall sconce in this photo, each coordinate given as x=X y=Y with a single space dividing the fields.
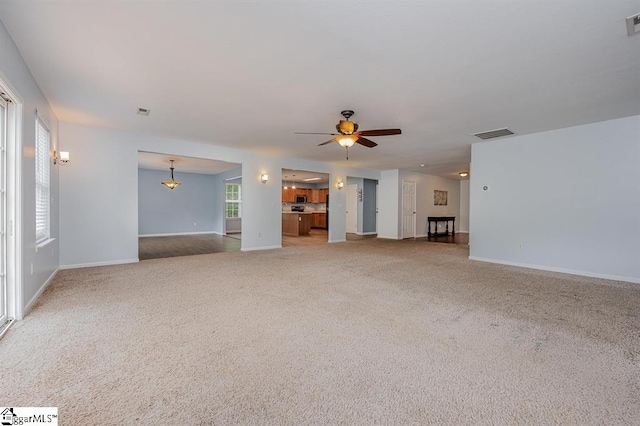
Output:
x=62 y=157
x=340 y=185
x=264 y=178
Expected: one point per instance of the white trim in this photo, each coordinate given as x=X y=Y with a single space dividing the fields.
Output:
x=344 y=240
x=7 y=325
x=366 y=233
x=561 y=270
x=35 y=297
x=44 y=243
x=261 y=248
x=171 y=234
x=106 y=263
x=388 y=237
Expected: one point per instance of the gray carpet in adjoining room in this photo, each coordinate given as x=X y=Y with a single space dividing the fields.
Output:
x=371 y=331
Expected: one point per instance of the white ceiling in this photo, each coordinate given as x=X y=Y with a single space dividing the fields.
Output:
x=156 y=161
x=249 y=74
x=299 y=176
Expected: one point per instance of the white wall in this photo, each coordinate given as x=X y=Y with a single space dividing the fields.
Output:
x=463 y=225
x=389 y=204
x=37 y=267
x=571 y=197
x=99 y=220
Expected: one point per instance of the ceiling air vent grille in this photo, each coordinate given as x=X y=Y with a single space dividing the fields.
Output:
x=144 y=111
x=492 y=134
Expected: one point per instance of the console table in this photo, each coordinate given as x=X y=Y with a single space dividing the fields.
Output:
x=445 y=219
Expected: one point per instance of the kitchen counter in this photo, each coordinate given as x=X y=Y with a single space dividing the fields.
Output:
x=296 y=223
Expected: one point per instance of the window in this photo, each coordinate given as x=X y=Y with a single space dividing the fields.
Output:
x=43 y=197
x=233 y=200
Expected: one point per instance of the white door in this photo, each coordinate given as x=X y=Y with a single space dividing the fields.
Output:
x=377 y=198
x=408 y=209
x=352 y=209
x=3 y=212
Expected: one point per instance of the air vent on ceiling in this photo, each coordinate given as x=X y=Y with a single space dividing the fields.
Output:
x=144 y=111
x=633 y=24
x=491 y=134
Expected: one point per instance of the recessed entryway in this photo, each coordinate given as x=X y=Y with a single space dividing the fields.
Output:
x=305 y=207
x=188 y=209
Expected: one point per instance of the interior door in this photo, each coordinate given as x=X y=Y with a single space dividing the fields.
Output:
x=3 y=212
x=352 y=209
x=408 y=209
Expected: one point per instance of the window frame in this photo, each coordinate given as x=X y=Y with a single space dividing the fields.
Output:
x=42 y=159
x=229 y=201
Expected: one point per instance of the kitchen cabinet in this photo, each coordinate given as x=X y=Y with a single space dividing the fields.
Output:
x=288 y=195
x=319 y=195
x=319 y=220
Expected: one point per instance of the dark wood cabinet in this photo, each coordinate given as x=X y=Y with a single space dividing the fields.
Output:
x=319 y=220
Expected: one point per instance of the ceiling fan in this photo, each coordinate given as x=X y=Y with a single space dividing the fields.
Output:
x=348 y=133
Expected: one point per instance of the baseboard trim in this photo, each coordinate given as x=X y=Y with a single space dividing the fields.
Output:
x=338 y=241
x=171 y=234
x=561 y=270
x=34 y=299
x=366 y=233
x=387 y=237
x=93 y=264
x=261 y=248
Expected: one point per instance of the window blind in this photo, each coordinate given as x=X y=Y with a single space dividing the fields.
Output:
x=43 y=182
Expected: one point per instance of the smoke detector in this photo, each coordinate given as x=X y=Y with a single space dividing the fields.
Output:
x=633 y=24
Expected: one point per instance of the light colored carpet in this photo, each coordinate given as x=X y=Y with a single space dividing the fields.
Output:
x=363 y=332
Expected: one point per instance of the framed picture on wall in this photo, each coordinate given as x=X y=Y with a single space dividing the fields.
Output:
x=439 y=198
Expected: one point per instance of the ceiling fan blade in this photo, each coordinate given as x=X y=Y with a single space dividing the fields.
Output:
x=304 y=133
x=381 y=132
x=328 y=142
x=366 y=142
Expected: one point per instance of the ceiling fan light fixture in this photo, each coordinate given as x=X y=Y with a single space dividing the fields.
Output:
x=347 y=141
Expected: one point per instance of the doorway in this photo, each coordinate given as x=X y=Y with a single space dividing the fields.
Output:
x=185 y=211
x=10 y=211
x=352 y=209
x=4 y=316
x=408 y=209
x=305 y=207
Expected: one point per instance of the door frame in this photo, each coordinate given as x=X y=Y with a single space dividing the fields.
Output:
x=13 y=279
x=351 y=188
x=415 y=207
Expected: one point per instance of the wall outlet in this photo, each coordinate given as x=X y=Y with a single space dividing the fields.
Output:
x=259 y=234
x=519 y=246
x=195 y=223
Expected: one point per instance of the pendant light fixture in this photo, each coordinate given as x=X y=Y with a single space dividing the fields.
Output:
x=285 y=183
x=293 y=182
x=171 y=184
